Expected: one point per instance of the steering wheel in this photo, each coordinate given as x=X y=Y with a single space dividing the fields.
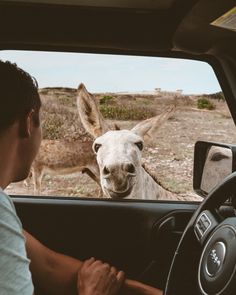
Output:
x=205 y=259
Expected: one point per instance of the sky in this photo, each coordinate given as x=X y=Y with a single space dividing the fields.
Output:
x=115 y=73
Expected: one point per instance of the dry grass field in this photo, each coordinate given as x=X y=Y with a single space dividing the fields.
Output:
x=171 y=157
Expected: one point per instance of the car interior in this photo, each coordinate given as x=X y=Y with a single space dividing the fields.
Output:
x=181 y=247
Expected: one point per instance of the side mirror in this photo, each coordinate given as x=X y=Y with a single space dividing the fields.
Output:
x=212 y=163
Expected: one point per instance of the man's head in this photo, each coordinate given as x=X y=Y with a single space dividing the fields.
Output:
x=19 y=108
x=19 y=95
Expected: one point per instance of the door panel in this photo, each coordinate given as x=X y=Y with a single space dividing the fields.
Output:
x=135 y=236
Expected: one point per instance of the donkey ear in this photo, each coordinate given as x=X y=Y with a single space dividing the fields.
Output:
x=89 y=113
x=148 y=129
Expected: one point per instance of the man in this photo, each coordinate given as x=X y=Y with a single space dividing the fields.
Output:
x=23 y=259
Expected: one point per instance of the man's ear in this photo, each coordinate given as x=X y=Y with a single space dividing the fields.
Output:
x=26 y=124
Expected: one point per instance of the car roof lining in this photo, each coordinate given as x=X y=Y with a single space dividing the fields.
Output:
x=196 y=34
x=137 y=4
x=177 y=27
x=91 y=27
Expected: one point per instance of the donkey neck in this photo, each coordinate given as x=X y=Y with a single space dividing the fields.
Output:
x=151 y=190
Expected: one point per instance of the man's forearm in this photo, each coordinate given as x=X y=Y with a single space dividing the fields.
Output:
x=132 y=287
x=53 y=273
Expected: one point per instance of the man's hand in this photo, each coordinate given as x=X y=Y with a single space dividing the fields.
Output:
x=98 y=278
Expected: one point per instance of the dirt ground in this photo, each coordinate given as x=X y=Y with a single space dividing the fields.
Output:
x=171 y=158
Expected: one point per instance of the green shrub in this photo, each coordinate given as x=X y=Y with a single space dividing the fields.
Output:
x=128 y=113
x=67 y=100
x=218 y=95
x=52 y=127
x=105 y=99
x=204 y=103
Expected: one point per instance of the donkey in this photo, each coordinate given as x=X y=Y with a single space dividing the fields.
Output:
x=66 y=157
x=119 y=153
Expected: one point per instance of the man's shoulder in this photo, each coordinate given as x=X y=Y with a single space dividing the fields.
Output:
x=5 y=200
x=3 y=195
x=8 y=214
x=15 y=277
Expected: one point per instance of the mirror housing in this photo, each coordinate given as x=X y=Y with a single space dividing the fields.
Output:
x=212 y=163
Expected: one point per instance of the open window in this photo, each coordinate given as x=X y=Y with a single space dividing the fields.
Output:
x=168 y=103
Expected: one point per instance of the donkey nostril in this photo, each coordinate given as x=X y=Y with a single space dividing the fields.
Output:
x=130 y=168
x=106 y=171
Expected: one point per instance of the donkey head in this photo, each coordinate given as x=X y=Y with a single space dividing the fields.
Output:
x=119 y=160
x=118 y=151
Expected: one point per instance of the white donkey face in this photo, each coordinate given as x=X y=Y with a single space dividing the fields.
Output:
x=119 y=160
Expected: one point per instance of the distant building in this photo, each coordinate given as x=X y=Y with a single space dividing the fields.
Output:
x=179 y=91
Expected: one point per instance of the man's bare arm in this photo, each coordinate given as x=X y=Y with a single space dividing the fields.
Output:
x=52 y=272
x=137 y=288
x=56 y=273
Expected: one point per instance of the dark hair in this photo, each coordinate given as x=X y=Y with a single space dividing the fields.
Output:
x=18 y=95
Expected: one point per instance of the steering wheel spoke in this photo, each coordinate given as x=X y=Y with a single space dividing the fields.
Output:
x=204 y=225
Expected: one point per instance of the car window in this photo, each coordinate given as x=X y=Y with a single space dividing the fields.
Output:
x=121 y=126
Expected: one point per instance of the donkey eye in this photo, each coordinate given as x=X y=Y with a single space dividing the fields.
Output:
x=218 y=156
x=139 y=145
x=96 y=147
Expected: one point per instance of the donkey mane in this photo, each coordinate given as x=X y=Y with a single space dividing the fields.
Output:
x=154 y=176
